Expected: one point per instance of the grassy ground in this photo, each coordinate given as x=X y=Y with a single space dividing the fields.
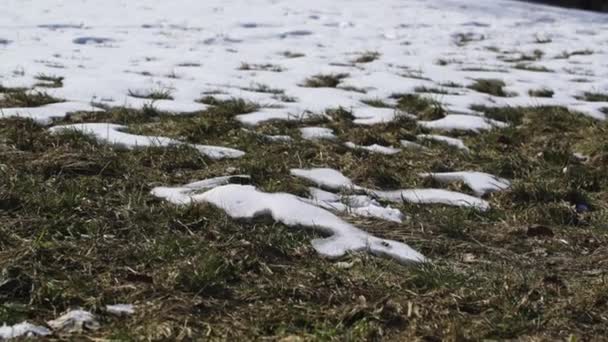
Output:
x=78 y=228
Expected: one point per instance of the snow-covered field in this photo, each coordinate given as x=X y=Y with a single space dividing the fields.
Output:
x=187 y=49
x=297 y=59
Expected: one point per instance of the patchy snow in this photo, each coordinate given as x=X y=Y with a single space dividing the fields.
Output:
x=411 y=145
x=75 y=321
x=23 y=329
x=114 y=135
x=462 y=123
x=45 y=114
x=120 y=309
x=317 y=133
x=246 y=202
x=374 y=148
x=107 y=51
x=183 y=195
x=324 y=177
x=433 y=196
x=358 y=205
x=458 y=143
x=481 y=183
x=335 y=180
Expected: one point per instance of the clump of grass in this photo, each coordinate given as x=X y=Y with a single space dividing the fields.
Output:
x=423 y=107
x=526 y=57
x=24 y=98
x=543 y=92
x=291 y=54
x=431 y=90
x=367 y=57
x=324 y=80
x=4 y=90
x=49 y=81
x=530 y=67
x=451 y=84
x=285 y=98
x=378 y=103
x=491 y=86
x=462 y=39
x=263 y=88
x=353 y=88
x=234 y=105
x=593 y=97
x=340 y=114
x=154 y=94
x=415 y=74
x=512 y=115
x=568 y=54
x=262 y=67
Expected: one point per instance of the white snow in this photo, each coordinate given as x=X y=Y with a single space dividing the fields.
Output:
x=114 y=135
x=433 y=196
x=104 y=51
x=75 y=321
x=246 y=202
x=23 y=329
x=45 y=114
x=374 y=148
x=324 y=177
x=463 y=123
x=335 y=180
x=317 y=133
x=480 y=182
x=358 y=205
x=120 y=309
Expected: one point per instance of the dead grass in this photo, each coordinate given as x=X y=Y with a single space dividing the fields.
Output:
x=491 y=86
x=92 y=235
x=324 y=81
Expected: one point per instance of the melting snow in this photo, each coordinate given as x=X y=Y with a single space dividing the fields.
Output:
x=481 y=183
x=246 y=202
x=23 y=329
x=113 y=134
x=120 y=309
x=433 y=196
x=317 y=133
x=374 y=148
x=75 y=321
x=463 y=123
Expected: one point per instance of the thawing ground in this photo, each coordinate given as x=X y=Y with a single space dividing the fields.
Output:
x=319 y=169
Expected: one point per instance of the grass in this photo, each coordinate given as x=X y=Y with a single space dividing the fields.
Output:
x=568 y=54
x=543 y=92
x=324 y=80
x=440 y=91
x=493 y=87
x=423 y=107
x=263 y=88
x=292 y=54
x=26 y=98
x=593 y=97
x=154 y=94
x=92 y=235
x=367 y=57
x=49 y=81
x=262 y=67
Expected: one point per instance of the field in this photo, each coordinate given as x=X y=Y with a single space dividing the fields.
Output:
x=308 y=172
